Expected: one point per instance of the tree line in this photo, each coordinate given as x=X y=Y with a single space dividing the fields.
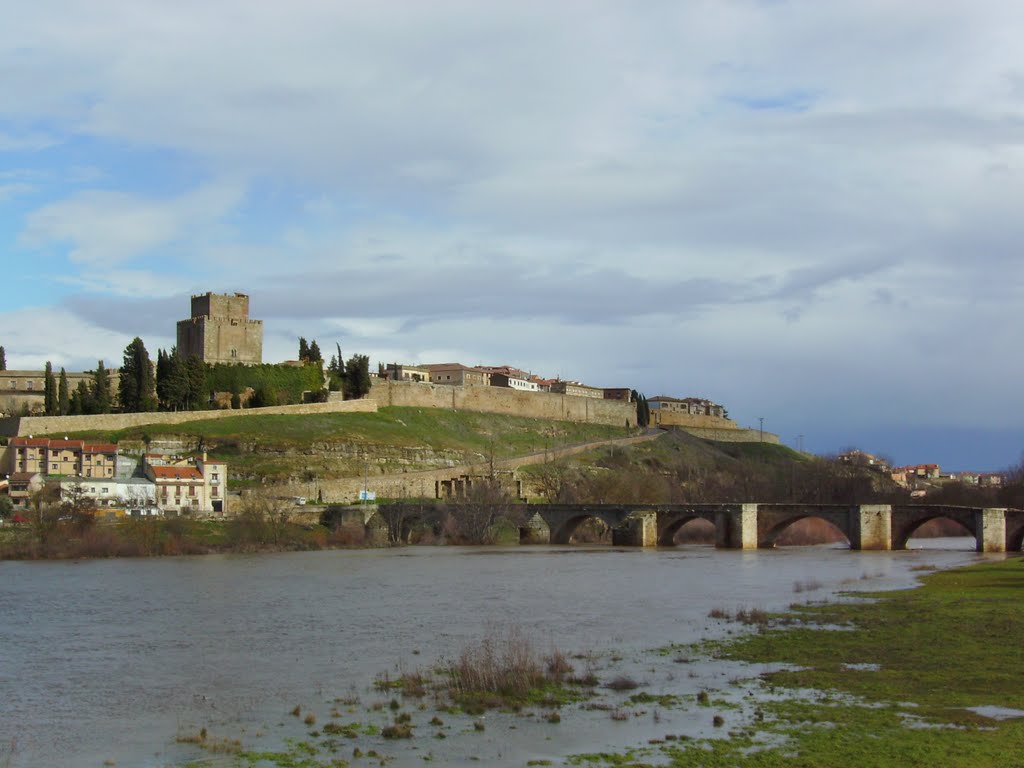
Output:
x=185 y=383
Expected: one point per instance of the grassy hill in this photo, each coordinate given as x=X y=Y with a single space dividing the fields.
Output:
x=274 y=448
x=679 y=468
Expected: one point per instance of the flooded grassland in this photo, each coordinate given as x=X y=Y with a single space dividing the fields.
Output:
x=624 y=656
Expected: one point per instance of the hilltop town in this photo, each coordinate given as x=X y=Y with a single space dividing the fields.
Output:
x=216 y=370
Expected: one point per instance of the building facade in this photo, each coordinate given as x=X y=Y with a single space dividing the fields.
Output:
x=220 y=330
x=50 y=457
x=22 y=391
x=577 y=389
x=458 y=375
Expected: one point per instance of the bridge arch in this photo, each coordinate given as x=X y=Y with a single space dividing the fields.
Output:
x=773 y=520
x=671 y=526
x=907 y=520
x=771 y=536
x=562 y=532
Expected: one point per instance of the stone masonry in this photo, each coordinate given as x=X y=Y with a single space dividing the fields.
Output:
x=220 y=330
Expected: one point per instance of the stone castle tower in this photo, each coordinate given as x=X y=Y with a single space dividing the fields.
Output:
x=220 y=330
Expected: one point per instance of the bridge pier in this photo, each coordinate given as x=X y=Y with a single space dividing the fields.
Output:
x=871 y=527
x=990 y=529
x=736 y=527
x=640 y=529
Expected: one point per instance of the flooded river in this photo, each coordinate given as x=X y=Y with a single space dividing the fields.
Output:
x=110 y=662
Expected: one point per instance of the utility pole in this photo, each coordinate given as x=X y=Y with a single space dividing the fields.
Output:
x=761 y=420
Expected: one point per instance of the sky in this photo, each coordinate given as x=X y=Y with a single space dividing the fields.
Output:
x=808 y=212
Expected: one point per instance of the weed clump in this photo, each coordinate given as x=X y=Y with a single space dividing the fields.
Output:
x=397 y=731
x=623 y=683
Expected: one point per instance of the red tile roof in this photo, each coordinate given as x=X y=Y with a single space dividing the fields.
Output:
x=176 y=473
x=30 y=442
x=101 y=448
x=58 y=444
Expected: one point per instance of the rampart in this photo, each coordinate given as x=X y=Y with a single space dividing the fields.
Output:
x=18 y=426
x=537 y=405
x=667 y=418
x=731 y=435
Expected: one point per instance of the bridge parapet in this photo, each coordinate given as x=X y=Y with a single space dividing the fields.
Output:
x=752 y=526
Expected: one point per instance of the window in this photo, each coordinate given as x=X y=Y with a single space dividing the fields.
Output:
x=53 y=467
x=214 y=492
x=14 y=384
x=29 y=385
x=105 y=490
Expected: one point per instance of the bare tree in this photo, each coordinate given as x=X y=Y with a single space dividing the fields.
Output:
x=474 y=517
x=262 y=519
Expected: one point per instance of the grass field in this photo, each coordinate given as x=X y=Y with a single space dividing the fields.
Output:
x=885 y=682
x=436 y=428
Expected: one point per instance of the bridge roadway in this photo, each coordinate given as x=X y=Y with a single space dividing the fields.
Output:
x=752 y=526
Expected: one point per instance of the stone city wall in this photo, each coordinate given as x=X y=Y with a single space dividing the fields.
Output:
x=537 y=405
x=668 y=418
x=19 y=426
x=738 y=435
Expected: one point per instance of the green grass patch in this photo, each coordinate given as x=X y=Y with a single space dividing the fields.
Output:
x=953 y=642
x=439 y=428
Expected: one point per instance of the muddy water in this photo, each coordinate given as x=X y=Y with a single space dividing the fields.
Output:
x=112 y=660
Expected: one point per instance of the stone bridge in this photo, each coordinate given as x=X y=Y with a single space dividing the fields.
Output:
x=752 y=526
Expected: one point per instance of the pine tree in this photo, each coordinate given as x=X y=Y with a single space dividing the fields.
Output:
x=137 y=387
x=357 y=377
x=63 y=396
x=49 y=391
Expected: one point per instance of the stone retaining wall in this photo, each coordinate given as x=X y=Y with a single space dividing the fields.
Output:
x=739 y=435
x=19 y=426
x=537 y=405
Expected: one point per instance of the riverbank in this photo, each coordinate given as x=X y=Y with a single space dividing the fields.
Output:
x=165 y=537
x=921 y=677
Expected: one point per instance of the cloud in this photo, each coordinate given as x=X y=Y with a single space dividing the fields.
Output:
x=779 y=205
x=104 y=228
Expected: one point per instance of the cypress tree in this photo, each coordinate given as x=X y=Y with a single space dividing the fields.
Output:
x=81 y=400
x=49 y=391
x=63 y=396
x=100 y=391
x=3 y=359
x=195 y=375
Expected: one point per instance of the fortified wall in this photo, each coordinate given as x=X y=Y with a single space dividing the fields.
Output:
x=536 y=405
x=20 y=426
x=731 y=434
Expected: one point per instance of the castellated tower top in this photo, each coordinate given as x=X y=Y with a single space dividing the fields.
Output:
x=220 y=330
